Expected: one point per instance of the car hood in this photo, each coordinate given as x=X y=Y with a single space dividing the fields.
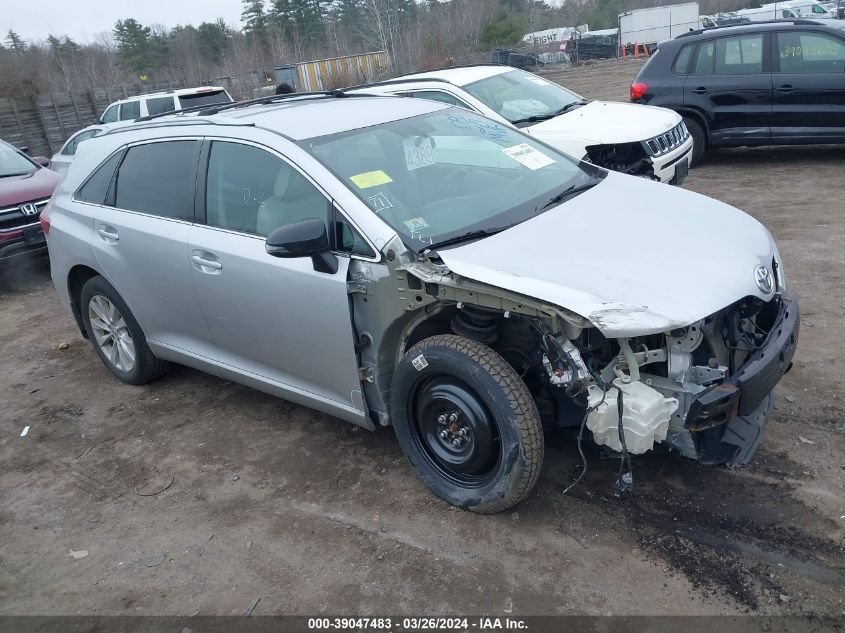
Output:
x=35 y=185
x=632 y=256
x=606 y=122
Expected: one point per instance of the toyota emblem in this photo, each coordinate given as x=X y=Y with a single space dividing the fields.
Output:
x=764 y=279
x=29 y=209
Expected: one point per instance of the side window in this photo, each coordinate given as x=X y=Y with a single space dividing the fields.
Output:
x=110 y=115
x=739 y=55
x=159 y=105
x=704 y=59
x=438 y=95
x=347 y=239
x=803 y=52
x=97 y=186
x=157 y=178
x=251 y=190
x=817 y=8
x=70 y=148
x=130 y=110
x=682 y=61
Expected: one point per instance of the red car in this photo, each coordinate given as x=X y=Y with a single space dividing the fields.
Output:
x=25 y=188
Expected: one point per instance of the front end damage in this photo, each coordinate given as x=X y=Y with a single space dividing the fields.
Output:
x=703 y=390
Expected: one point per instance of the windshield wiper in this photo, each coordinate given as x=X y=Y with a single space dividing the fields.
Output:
x=22 y=173
x=469 y=235
x=571 y=191
x=545 y=117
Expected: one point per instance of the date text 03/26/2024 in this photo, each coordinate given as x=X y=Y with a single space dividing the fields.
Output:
x=481 y=624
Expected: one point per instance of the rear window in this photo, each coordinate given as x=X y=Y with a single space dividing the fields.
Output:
x=682 y=61
x=204 y=98
x=96 y=187
x=157 y=178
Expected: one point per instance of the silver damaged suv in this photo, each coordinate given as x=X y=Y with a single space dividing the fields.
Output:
x=399 y=261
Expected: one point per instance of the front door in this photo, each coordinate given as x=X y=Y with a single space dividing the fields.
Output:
x=730 y=81
x=809 y=87
x=278 y=323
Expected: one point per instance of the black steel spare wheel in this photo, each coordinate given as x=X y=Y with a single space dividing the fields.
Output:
x=455 y=431
x=467 y=423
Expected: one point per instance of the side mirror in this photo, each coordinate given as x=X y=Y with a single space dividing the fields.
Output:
x=307 y=238
x=42 y=160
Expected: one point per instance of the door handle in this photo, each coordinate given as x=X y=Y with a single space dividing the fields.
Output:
x=786 y=88
x=203 y=262
x=699 y=91
x=108 y=233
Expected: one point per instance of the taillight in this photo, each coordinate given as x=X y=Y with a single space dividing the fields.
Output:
x=638 y=90
x=44 y=221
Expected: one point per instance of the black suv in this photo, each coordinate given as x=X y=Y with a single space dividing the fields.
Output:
x=765 y=83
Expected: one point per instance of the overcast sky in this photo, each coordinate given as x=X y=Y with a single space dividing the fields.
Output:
x=82 y=20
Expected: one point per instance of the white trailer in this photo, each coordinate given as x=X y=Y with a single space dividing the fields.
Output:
x=651 y=26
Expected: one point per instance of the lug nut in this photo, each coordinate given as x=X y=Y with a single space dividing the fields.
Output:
x=453 y=417
x=441 y=419
x=444 y=434
x=456 y=442
x=464 y=432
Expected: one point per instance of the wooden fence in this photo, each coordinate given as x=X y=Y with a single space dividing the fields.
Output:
x=44 y=122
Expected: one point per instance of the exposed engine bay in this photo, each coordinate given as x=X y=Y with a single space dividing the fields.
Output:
x=626 y=158
x=702 y=390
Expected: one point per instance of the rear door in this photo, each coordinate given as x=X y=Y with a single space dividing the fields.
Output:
x=809 y=87
x=730 y=81
x=140 y=241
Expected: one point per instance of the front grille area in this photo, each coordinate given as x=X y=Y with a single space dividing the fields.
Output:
x=668 y=141
x=12 y=218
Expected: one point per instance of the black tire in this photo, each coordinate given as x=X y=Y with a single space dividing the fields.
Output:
x=500 y=451
x=699 y=139
x=146 y=366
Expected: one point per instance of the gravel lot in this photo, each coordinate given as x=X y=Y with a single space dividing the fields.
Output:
x=312 y=515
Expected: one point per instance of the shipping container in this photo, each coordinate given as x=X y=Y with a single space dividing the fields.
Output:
x=335 y=72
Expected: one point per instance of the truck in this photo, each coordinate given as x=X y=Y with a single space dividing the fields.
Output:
x=650 y=26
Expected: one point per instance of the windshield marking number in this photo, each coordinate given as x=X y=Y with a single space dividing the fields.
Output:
x=419 y=152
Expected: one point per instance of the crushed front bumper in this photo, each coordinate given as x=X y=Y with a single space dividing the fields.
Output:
x=726 y=421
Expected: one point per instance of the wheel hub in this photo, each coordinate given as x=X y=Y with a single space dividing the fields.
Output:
x=455 y=430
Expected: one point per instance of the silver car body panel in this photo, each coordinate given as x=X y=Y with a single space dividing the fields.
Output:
x=630 y=270
x=601 y=258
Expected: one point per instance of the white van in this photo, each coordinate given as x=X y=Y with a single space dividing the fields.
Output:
x=164 y=101
x=789 y=10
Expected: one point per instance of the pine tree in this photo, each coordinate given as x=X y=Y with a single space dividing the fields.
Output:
x=135 y=49
x=15 y=42
x=255 y=20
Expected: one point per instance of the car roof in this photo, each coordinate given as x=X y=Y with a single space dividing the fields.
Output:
x=751 y=27
x=461 y=75
x=302 y=117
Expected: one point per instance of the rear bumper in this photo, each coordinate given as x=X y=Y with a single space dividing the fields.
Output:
x=728 y=419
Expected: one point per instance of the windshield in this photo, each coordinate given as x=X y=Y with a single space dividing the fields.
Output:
x=13 y=163
x=517 y=95
x=439 y=176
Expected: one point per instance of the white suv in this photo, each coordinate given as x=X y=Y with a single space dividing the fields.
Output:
x=629 y=138
x=165 y=101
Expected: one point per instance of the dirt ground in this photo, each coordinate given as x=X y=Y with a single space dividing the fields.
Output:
x=311 y=515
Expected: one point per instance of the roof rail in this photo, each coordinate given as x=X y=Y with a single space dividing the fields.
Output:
x=796 y=21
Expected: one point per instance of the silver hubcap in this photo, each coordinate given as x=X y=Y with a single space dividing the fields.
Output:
x=111 y=333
